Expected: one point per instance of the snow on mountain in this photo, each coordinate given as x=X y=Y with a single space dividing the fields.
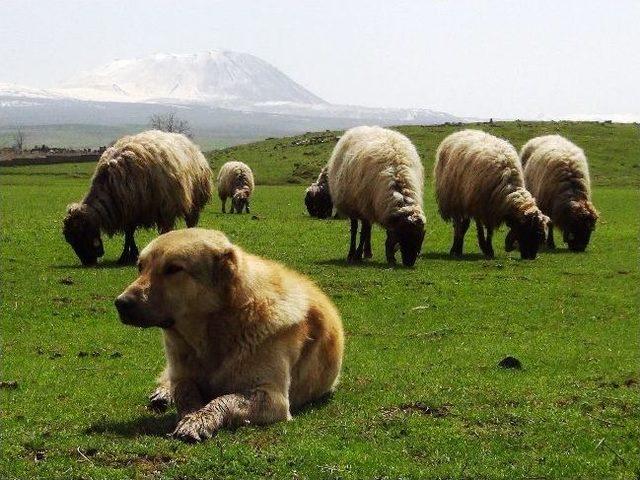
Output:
x=221 y=78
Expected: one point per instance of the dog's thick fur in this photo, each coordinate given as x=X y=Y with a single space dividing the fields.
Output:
x=246 y=340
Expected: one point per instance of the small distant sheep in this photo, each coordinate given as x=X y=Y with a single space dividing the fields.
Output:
x=479 y=176
x=235 y=180
x=557 y=174
x=144 y=180
x=375 y=175
x=317 y=197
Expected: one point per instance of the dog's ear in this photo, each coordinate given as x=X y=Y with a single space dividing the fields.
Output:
x=225 y=265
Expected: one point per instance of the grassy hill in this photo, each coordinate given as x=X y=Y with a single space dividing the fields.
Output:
x=613 y=149
x=421 y=394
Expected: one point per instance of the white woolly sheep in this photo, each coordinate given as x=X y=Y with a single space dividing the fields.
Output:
x=235 y=180
x=479 y=176
x=144 y=180
x=317 y=197
x=375 y=175
x=557 y=174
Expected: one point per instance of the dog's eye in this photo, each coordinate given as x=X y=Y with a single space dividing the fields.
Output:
x=172 y=268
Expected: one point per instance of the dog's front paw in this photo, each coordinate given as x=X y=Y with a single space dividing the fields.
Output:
x=192 y=428
x=159 y=400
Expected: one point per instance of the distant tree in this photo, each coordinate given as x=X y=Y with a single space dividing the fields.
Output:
x=18 y=139
x=169 y=122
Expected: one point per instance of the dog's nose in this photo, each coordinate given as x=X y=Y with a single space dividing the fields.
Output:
x=124 y=303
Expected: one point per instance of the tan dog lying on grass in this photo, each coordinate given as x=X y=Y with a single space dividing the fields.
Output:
x=246 y=339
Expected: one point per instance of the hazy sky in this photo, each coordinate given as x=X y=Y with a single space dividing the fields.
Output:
x=475 y=58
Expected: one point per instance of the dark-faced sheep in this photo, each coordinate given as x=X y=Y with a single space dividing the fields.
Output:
x=235 y=180
x=144 y=180
x=479 y=176
x=317 y=197
x=375 y=175
x=557 y=174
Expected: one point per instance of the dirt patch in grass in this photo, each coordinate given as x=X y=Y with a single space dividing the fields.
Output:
x=417 y=407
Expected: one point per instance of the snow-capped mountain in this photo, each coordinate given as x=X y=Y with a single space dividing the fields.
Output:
x=222 y=78
x=218 y=92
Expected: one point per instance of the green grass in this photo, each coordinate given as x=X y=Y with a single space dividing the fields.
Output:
x=429 y=336
x=613 y=149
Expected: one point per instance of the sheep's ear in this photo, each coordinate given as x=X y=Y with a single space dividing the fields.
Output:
x=417 y=219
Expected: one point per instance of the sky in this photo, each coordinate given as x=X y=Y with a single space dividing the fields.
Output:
x=501 y=59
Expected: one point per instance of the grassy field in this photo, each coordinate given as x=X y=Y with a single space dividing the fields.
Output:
x=421 y=394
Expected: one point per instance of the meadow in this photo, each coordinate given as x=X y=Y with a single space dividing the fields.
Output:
x=421 y=393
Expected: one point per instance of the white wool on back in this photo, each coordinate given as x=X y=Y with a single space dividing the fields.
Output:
x=479 y=176
x=375 y=173
x=556 y=172
x=234 y=175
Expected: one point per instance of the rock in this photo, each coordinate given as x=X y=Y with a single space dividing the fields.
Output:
x=510 y=362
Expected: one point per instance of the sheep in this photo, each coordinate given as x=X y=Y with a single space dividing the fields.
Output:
x=144 y=180
x=375 y=175
x=235 y=180
x=318 y=198
x=479 y=176
x=557 y=174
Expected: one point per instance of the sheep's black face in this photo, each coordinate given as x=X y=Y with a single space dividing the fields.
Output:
x=318 y=202
x=409 y=235
x=577 y=232
x=530 y=232
x=577 y=237
x=83 y=235
x=239 y=202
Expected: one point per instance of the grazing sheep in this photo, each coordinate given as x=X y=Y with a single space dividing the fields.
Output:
x=144 y=180
x=479 y=176
x=557 y=174
x=318 y=198
x=235 y=180
x=375 y=175
x=247 y=341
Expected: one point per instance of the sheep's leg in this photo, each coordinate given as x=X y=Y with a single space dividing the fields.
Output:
x=460 y=227
x=123 y=260
x=367 y=239
x=264 y=405
x=352 y=256
x=485 y=243
x=224 y=205
x=390 y=245
x=365 y=232
x=167 y=227
x=551 y=244
x=247 y=207
x=192 y=219
x=130 y=250
x=488 y=244
x=510 y=241
x=481 y=240
x=133 y=248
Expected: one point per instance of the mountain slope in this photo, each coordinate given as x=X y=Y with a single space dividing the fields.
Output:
x=220 y=78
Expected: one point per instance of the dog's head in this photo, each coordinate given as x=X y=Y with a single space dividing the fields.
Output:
x=182 y=275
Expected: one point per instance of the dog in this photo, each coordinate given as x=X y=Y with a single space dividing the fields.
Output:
x=246 y=340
